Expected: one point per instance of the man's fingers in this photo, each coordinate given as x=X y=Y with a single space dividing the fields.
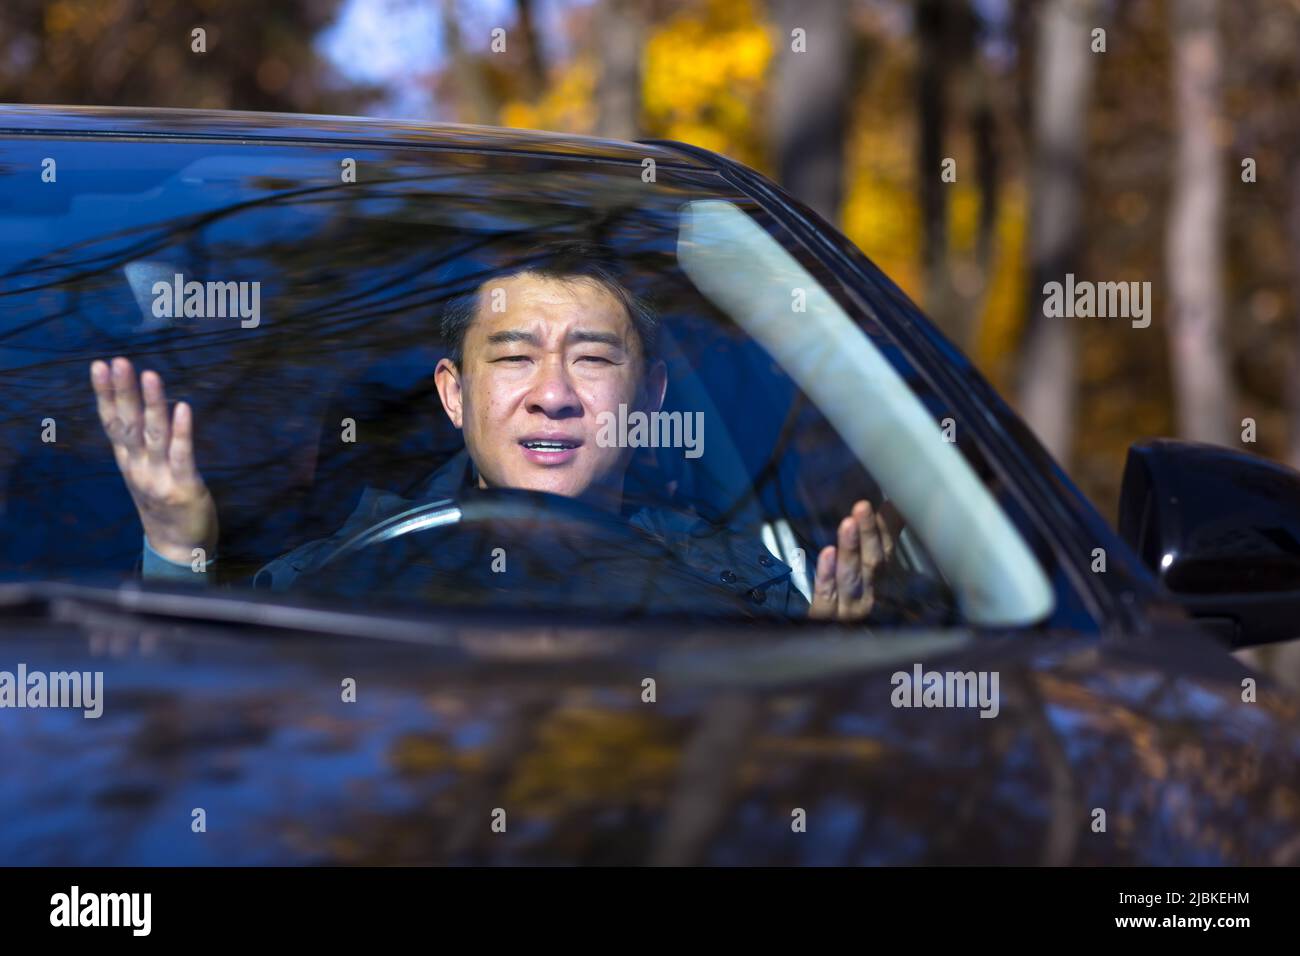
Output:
x=180 y=454
x=126 y=404
x=824 y=599
x=842 y=589
x=156 y=427
x=101 y=380
x=886 y=536
x=849 y=583
x=892 y=525
x=873 y=549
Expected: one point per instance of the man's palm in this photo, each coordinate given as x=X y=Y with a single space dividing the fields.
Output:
x=844 y=587
x=155 y=453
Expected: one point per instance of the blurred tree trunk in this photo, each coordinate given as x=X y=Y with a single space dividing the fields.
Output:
x=1063 y=77
x=1203 y=391
x=984 y=131
x=534 y=61
x=474 y=102
x=982 y=94
x=1293 y=378
x=932 y=118
x=948 y=55
x=620 y=27
x=810 y=102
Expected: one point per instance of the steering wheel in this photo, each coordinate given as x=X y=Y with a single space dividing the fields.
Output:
x=529 y=549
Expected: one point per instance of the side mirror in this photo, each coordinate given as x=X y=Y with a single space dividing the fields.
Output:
x=1221 y=529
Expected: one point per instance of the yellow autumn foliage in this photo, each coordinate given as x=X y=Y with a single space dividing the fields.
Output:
x=569 y=103
x=881 y=215
x=1003 y=314
x=704 y=76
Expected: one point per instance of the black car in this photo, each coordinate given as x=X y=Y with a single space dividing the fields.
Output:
x=479 y=676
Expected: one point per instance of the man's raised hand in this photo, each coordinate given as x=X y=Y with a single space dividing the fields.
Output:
x=843 y=589
x=155 y=453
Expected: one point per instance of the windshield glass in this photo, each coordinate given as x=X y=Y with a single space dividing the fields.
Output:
x=429 y=378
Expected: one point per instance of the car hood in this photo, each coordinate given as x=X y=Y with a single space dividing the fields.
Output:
x=552 y=745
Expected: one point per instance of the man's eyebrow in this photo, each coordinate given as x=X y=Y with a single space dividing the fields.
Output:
x=514 y=335
x=599 y=338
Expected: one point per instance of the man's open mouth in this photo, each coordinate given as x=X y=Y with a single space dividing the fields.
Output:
x=550 y=444
x=550 y=451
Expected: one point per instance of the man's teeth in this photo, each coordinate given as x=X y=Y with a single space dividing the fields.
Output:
x=549 y=445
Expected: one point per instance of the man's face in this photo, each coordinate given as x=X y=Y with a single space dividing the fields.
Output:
x=535 y=378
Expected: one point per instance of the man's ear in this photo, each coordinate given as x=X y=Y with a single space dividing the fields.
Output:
x=447 y=378
x=656 y=385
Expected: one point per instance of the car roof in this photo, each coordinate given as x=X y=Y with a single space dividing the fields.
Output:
x=131 y=121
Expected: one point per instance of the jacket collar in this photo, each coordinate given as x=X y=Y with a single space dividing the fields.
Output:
x=453 y=477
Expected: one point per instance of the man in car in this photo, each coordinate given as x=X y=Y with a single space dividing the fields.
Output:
x=535 y=358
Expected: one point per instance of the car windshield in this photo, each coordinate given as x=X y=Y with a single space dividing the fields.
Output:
x=454 y=379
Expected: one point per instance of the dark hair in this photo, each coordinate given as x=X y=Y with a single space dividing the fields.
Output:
x=566 y=260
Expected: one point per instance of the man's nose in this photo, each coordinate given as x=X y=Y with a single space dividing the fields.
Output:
x=552 y=393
